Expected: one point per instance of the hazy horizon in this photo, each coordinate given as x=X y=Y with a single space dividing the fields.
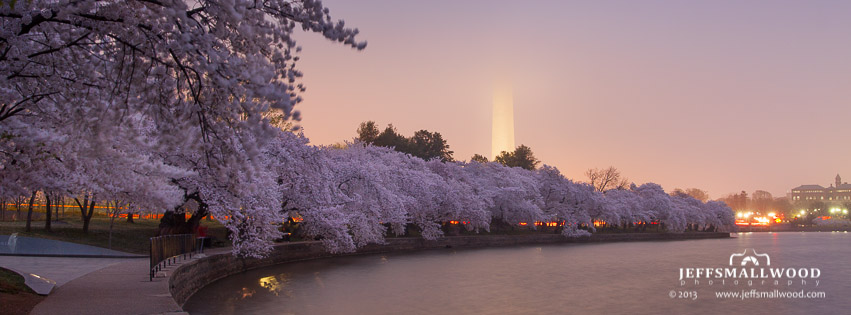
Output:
x=723 y=96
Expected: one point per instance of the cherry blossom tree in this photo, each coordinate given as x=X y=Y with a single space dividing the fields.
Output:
x=658 y=203
x=628 y=203
x=145 y=92
x=172 y=59
x=204 y=73
x=459 y=198
x=691 y=208
x=563 y=200
x=513 y=192
x=719 y=216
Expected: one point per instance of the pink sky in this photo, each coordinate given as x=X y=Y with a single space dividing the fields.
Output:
x=720 y=95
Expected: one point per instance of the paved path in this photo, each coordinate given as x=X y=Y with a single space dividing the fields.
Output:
x=59 y=269
x=89 y=285
x=122 y=288
x=47 y=264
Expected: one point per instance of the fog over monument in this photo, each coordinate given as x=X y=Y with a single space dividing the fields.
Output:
x=502 y=125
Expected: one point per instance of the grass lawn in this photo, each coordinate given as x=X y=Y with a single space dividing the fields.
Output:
x=15 y=296
x=126 y=237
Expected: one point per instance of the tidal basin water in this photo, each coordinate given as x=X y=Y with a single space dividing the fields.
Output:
x=611 y=278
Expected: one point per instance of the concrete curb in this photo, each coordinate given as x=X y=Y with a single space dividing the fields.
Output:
x=41 y=285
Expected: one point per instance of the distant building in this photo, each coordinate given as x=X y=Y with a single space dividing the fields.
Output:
x=837 y=193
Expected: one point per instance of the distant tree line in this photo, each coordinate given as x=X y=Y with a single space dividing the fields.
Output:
x=761 y=202
x=521 y=157
x=429 y=145
x=423 y=144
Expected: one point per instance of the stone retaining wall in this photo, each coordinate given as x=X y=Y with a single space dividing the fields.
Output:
x=193 y=275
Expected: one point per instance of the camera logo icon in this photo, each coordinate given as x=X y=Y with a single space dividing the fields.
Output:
x=744 y=258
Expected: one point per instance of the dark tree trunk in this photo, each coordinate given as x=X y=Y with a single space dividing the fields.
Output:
x=57 y=200
x=86 y=216
x=175 y=222
x=19 y=201
x=47 y=212
x=112 y=214
x=129 y=217
x=30 y=212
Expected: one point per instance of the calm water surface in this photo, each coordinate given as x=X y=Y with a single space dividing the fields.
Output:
x=612 y=278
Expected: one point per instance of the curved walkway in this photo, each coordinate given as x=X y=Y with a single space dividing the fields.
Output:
x=122 y=288
x=43 y=273
x=46 y=264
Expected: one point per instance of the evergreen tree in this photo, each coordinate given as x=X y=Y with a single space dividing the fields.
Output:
x=522 y=157
x=479 y=158
x=424 y=144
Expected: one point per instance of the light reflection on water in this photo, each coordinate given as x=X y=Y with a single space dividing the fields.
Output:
x=276 y=284
x=576 y=278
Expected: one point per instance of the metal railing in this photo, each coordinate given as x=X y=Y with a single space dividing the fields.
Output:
x=167 y=249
